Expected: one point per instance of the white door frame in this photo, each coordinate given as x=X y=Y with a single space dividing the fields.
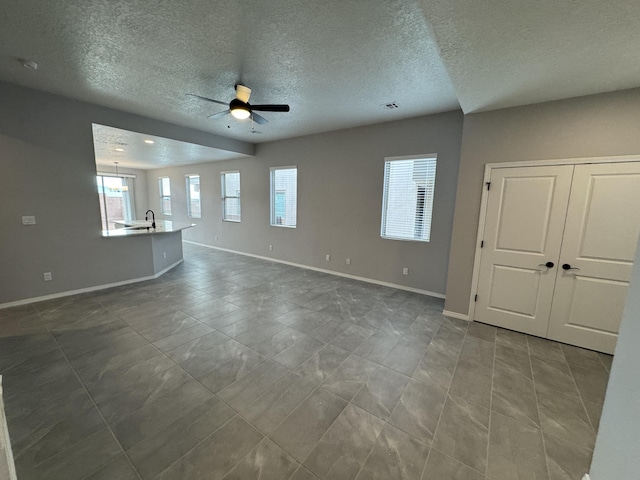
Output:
x=483 y=203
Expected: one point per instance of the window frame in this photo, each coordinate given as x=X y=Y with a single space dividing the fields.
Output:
x=224 y=196
x=273 y=192
x=164 y=197
x=424 y=201
x=188 y=178
x=129 y=204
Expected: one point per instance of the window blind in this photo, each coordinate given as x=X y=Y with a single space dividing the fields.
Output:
x=230 y=196
x=284 y=193
x=408 y=199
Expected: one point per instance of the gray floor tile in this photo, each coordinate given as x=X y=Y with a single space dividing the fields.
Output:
x=344 y=448
x=303 y=474
x=322 y=364
x=77 y=462
x=564 y=417
x=299 y=352
x=378 y=346
x=158 y=451
x=544 y=349
x=221 y=365
x=472 y=381
x=118 y=469
x=440 y=467
x=551 y=377
x=216 y=455
x=566 y=460
x=513 y=361
x=381 y=392
x=350 y=377
x=418 y=410
x=514 y=396
x=184 y=336
x=304 y=320
x=272 y=345
x=511 y=339
x=242 y=393
x=173 y=426
x=478 y=351
x=352 y=337
x=463 y=432
x=395 y=456
x=270 y=409
x=482 y=331
x=516 y=450
x=265 y=462
x=299 y=433
x=405 y=356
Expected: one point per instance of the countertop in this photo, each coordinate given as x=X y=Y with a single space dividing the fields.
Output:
x=140 y=228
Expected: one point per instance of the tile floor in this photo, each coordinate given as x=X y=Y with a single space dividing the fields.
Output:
x=229 y=367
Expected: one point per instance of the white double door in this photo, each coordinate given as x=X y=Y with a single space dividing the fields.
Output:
x=558 y=247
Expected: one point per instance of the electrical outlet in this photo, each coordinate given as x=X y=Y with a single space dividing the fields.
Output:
x=405 y=271
x=327 y=258
x=28 y=220
x=270 y=247
x=215 y=237
x=348 y=261
x=47 y=276
x=165 y=254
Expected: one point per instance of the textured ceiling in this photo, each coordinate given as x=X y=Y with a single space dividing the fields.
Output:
x=337 y=63
x=502 y=54
x=134 y=152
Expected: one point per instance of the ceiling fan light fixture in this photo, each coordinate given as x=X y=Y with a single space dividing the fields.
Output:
x=239 y=109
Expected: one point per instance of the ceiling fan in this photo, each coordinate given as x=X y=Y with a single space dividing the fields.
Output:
x=240 y=107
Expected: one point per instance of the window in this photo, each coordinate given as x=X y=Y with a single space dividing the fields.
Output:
x=193 y=196
x=407 y=202
x=230 y=196
x=116 y=199
x=284 y=193
x=165 y=195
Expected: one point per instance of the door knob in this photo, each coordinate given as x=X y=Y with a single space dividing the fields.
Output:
x=566 y=266
x=548 y=265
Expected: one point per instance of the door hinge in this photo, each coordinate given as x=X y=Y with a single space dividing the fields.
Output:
x=481 y=243
x=488 y=185
x=476 y=298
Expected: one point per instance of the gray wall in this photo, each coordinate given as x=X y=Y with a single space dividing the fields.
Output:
x=48 y=170
x=617 y=452
x=593 y=126
x=340 y=176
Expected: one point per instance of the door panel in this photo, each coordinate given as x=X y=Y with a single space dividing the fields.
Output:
x=526 y=211
x=601 y=234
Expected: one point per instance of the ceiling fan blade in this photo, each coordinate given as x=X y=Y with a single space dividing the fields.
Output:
x=270 y=108
x=207 y=99
x=258 y=118
x=219 y=114
x=243 y=93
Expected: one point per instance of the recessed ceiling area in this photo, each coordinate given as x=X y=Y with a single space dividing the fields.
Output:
x=145 y=152
x=337 y=63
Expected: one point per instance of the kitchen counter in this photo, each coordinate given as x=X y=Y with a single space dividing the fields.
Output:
x=142 y=227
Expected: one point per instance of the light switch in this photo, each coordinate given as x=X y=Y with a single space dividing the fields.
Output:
x=28 y=220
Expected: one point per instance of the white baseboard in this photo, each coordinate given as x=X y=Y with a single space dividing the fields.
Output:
x=330 y=272
x=586 y=477
x=460 y=316
x=68 y=293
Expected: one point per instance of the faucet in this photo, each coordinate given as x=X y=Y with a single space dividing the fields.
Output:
x=153 y=223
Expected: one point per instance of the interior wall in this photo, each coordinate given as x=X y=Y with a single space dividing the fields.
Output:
x=48 y=170
x=340 y=178
x=594 y=126
x=617 y=452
